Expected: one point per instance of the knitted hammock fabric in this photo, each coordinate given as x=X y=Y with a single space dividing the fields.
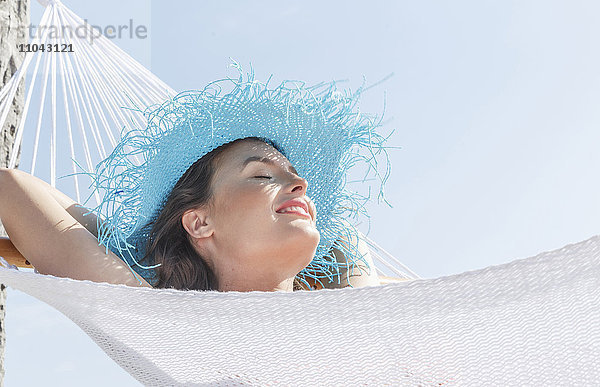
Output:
x=532 y=321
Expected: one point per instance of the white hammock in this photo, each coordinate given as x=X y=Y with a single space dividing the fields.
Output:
x=532 y=321
x=529 y=322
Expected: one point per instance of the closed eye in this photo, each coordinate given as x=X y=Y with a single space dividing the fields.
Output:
x=262 y=177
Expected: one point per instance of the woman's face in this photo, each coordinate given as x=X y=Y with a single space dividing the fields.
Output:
x=263 y=223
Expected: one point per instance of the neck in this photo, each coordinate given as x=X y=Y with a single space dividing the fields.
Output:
x=233 y=276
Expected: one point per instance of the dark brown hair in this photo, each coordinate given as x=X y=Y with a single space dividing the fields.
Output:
x=181 y=267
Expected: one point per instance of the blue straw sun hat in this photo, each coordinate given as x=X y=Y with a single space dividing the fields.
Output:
x=318 y=128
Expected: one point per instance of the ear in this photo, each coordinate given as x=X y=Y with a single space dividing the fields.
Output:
x=196 y=223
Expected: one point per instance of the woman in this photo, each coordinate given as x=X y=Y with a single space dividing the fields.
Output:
x=225 y=211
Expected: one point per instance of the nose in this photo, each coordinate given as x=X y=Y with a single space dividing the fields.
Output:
x=298 y=184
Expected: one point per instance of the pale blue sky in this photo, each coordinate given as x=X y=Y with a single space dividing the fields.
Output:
x=494 y=106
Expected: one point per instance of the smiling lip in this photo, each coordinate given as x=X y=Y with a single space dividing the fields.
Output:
x=295 y=213
x=295 y=203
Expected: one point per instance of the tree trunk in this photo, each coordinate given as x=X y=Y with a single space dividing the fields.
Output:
x=14 y=18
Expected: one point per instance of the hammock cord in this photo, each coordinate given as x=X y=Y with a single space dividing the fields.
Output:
x=97 y=79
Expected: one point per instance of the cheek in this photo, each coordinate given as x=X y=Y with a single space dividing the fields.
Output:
x=247 y=205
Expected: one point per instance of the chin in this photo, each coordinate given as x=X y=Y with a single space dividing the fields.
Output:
x=311 y=239
x=312 y=247
x=308 y=229
x=302 y=245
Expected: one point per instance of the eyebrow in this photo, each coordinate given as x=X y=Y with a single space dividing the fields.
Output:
x=265 y=160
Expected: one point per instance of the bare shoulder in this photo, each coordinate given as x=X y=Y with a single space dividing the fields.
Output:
x=361 y=273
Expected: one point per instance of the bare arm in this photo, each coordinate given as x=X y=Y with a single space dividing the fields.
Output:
x=49 y=229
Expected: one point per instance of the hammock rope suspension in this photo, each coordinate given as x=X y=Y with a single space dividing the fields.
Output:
x=86 y=87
